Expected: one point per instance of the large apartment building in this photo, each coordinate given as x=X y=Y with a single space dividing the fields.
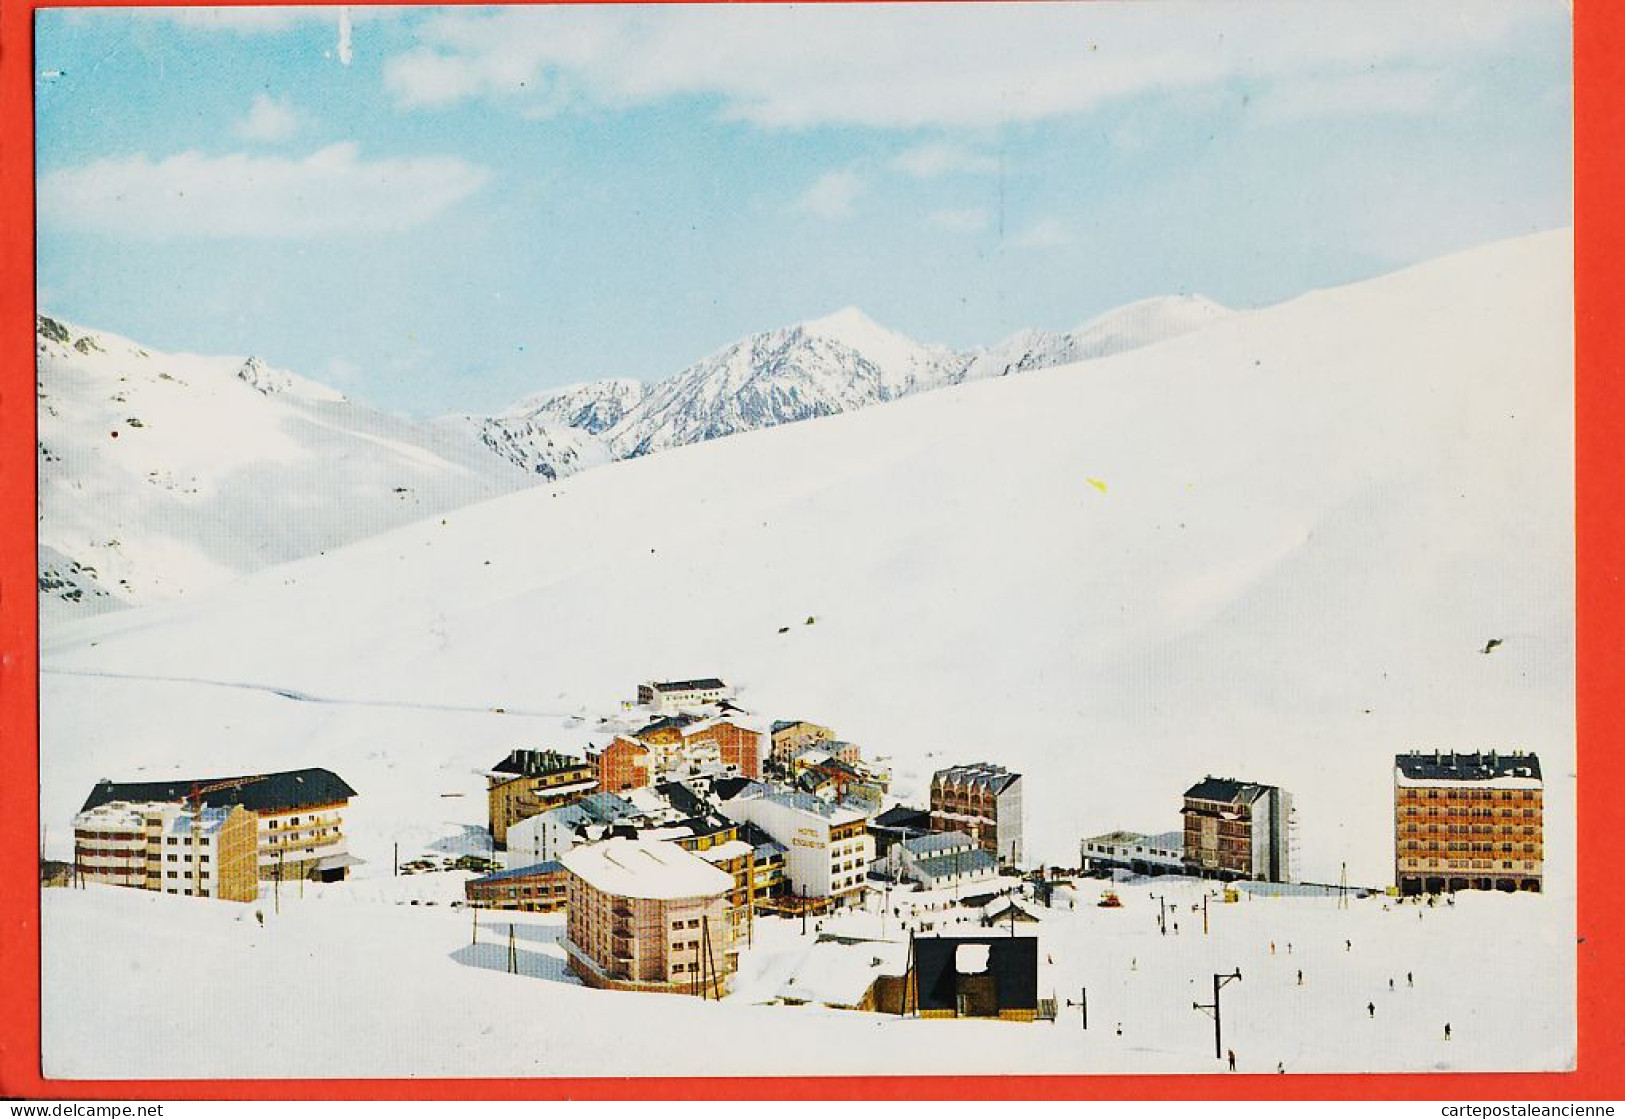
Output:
x=527 y=783
x=623 y=764
x=537 y=888
x=170 y=848
x=299 y=814
x=984 y=802
x=791 y=735
x=1238 y=829
x=647 y=915
x=671 y=696
x=684 y=744
x=828 y=847
x=1467 y=822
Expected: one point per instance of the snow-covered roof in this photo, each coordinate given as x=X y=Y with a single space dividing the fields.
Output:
x=119 y=814
x=733 y=849
x=837 y=974
x=981 y=774
x=1516 y=770
x=1000 y=906
x=642 y=868
x=843 y=813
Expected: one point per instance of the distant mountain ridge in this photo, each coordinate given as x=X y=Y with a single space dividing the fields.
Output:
x=163 y=474
x=846 y=360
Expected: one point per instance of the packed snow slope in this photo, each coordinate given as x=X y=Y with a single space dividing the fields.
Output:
x=163 y=474
x=1271 y=549
x=142 y=985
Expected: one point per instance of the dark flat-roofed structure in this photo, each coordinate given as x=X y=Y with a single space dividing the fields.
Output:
x=973 y=977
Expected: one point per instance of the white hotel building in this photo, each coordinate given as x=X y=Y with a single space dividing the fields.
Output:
x=828 y=847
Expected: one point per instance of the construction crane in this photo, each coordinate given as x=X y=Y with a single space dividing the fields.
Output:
x=195 y=799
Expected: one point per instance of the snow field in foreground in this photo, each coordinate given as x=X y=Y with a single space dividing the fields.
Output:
x=348 y=981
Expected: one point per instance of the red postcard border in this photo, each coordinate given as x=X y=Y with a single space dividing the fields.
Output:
x=1599 y=68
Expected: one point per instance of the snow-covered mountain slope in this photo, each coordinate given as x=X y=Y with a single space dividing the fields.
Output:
x=593 y=407
x=1127 y=328
x=546 y=450
x=163 y=474
x=846 y=360
x=1271 y=549
x=839 y=363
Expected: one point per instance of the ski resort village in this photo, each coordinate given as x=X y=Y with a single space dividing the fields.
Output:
x=1025 y=720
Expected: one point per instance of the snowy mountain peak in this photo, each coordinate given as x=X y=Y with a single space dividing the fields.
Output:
x=849 y=326
x=266 y=381
x=1150 y=320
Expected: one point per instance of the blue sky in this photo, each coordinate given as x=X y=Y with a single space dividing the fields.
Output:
x=447 y=209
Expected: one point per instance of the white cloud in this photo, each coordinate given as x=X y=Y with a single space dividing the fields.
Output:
x=1049 y=233
x=333 y=190
x=960 y=221
x=833 y=196
x=1399 y=93
x=930 y=161
x=916 y=65
x=268 y=120
x=261 y=20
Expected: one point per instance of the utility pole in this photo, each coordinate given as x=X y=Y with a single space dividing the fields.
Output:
x=803 y=909
x=911 y=982
x=513 y=952
x=1343 y=887
x=1212 y=1009
x=1083 y=1004
x=1204 y=914
x=397 y=864
x=710 y=959
x=750 y=897
x=476 y=910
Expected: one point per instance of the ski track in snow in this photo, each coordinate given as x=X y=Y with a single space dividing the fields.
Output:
x=307 y=697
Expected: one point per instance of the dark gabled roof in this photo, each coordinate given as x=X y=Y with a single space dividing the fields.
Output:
x=726 y=788
x=682 y=798
x=665 y=722
x=995 y=778
x=707 y=684
x=536 y=763
x=1440 y=766
x=902 y=816
x=552 y=866
x=703 y=825
x=266 y=792
x=812 y=780
x=1012 y=961
x=1226 y=790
